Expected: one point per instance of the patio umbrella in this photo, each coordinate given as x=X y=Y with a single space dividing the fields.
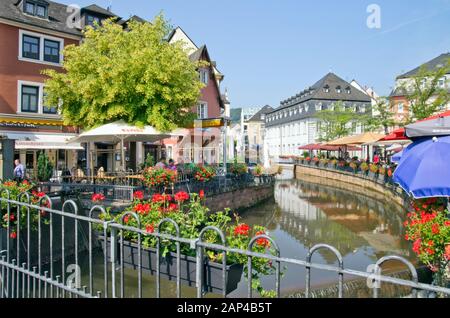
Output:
x=120 y=131
x=435 y=127
x=423 y=170
x=397 y=157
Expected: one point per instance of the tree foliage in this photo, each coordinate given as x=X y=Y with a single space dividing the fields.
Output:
x=425 y=94
x=382 y=116
x=337 y=122
x=134 y=75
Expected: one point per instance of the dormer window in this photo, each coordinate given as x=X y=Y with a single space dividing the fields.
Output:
x=348 y=90
x=36 y=8
x=338 y=89
x=326 y=89
x=92 y=20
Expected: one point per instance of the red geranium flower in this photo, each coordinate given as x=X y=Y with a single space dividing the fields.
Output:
x=150 y=229
x=139 y=195
x=181 y=196
x=142 y=208
x=201 y=194
x=435 y=228
x=447 y=253
x=13 y=235
x=262 y=241
x=173 y=207
x=242 y=229
x=98 y=197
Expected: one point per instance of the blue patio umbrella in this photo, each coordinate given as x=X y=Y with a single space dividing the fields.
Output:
x=424 y=169
x=397 y=157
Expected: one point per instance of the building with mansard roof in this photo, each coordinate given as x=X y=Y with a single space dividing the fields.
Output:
x=294 y=122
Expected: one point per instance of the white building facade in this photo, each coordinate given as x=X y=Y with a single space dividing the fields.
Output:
x=294 y=124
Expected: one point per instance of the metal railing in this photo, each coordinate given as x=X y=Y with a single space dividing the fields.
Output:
x=34 y=264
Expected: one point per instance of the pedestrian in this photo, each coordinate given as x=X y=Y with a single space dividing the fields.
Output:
x=161 y=164
x=19 y=171
x=172 y=166
x=376 y=158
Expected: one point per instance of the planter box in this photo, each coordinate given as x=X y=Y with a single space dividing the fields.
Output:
x=212 y=279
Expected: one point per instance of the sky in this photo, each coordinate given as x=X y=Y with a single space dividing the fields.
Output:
x=269 y=50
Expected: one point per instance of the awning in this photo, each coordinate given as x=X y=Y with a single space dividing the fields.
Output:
x=34 y=141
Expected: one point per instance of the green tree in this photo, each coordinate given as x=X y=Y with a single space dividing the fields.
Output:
x=134 y=75
x=337 y=122
x=381 y=117
x=425 y=92
x=45 y=167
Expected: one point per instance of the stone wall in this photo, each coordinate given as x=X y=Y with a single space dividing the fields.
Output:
x=240 y=199
x=352 y=183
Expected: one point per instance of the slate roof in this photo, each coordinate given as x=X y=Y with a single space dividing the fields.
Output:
x=57 y=13
x=430 y=65
x=317 y=92
x=197 y=55
x=95 y=8
x=258 y=116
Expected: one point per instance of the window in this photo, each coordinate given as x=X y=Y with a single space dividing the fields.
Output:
x=400 y=108
x=51 y=51
x=41 y=11
x=30 y=47
x=348 y=90
x=326 y=89
x=29 y=7
x=91 y=20
x=202 y=110
x=39 y=48
x=30 y=99
x=36 y=9
x=338 y=89
x=204 y=76
x=47 y=109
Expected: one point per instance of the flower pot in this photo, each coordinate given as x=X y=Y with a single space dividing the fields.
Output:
x=212 y=279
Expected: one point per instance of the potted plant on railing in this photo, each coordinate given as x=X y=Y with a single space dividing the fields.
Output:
x=374 y=170
x=191 y=215
x=18 y=217
x=428 y=228
x=382 y=172
x=316 y=161
x=204 y=174
x=364 y=168
x=354 y=166
x=333 y=162
x=158 y=178
x=324 y=162
x=308 y=160
x=239 y=170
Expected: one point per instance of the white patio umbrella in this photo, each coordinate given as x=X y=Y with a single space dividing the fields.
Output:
x=122 y=132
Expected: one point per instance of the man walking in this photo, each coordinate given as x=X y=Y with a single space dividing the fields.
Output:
x=19 y=171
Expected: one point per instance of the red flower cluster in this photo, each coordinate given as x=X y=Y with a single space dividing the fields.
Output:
x=157 y=177
x=13 y=235
x=242 y=229
x=150 y=228
x=138 y=195
x=204 y=174
x=181 y=196
x=161 y=198
x=201 y=194
x=98 y=197
x=142 y=209
x=447 y=252
x=262 y=241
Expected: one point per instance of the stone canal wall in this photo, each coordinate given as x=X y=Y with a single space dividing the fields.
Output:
x=352 y=183
x=240 y=199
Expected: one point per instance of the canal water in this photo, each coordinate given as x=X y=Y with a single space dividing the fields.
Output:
x=302 y=214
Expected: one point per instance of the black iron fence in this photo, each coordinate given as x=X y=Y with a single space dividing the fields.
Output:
x=43 y=257
x=185 y=182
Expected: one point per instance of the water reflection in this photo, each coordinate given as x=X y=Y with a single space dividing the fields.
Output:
x=303 y=214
